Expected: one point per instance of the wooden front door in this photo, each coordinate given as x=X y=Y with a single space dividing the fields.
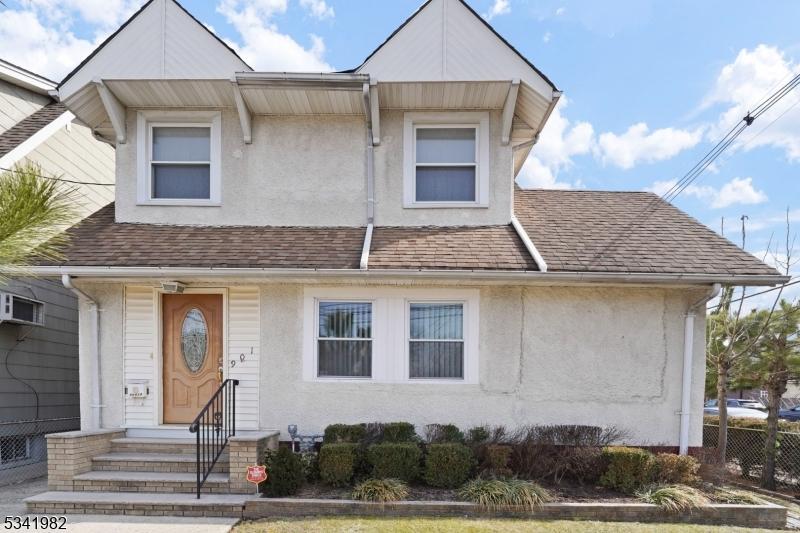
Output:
x=192 y=353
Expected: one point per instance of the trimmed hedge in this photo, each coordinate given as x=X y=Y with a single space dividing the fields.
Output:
x=337 y=433
x=628 y=469
x=397 y=460
x=398 y=432
x=441 y=433
x=285 y=473
x=337 y=462
x=448 y=465
x=752 y=423
x=676 y=469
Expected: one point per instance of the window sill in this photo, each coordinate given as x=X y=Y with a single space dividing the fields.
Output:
x=413 y=382
x=185 y=203
x=445 y=205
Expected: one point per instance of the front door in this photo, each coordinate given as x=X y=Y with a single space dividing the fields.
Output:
x=192 y=353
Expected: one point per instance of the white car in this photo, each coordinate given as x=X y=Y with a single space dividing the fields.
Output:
x=738 y=412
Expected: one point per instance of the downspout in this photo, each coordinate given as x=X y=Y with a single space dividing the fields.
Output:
x=688 y=353
x=94 y=349
x=364 y=263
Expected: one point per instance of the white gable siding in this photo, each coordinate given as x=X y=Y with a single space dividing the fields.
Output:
x=244 y=349
x=139 y=349
x=17 y=103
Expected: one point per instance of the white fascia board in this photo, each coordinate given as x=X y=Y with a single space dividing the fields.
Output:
x=546 y=278
x=26 y=79
x=30 y=144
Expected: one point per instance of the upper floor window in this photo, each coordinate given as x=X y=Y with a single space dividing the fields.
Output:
x=446 y=159
x=179 y=158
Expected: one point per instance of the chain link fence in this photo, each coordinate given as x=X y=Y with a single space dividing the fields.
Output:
x=23 y=448
x=745 y=455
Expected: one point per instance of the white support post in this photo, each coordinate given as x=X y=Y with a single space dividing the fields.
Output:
x=245 y=117
x=114 y=109
x=508 y=112
x=376 y=112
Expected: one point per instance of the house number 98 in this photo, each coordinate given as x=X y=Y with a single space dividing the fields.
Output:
x=241 y=358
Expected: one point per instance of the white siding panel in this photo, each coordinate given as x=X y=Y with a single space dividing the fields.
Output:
x=244 y=349
x=17 y=103
x=139 y=346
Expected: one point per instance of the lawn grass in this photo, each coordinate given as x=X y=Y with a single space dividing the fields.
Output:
x=452 y=525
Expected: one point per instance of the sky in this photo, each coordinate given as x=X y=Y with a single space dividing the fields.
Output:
x=649 y=86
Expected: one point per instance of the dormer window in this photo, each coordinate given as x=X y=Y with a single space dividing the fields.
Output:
x=446 y=160
x=179 y=159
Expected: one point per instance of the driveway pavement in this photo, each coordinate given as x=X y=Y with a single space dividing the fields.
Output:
x=11 y=497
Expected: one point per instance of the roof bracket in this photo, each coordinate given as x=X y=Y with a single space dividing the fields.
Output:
x=245 y=117
x=375 y=112
x=508 y=112
x=114 y=109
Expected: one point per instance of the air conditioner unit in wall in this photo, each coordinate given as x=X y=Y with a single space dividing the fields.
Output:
x=20 y=310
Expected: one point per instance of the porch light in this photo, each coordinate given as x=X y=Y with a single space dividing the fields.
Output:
x=174 y=287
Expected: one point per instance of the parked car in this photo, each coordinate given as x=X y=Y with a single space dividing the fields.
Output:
x=736 y=402
x=738 y=412
x=792 y=414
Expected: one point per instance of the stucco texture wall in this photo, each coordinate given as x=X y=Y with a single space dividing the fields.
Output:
x=311 y=171
x=606 y=356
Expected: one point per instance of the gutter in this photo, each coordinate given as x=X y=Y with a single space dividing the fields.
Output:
x=688 y=357
x=364 y=263
x=94 y=348
x=537 y=257
x=487 y=275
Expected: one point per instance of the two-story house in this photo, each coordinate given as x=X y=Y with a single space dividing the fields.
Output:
x=351 y=247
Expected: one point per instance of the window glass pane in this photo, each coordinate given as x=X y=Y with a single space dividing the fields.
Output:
x=181 y=181
x=445 y=145
x=436 y=359
x=348 y=320
x=337 y=358
x=437 y=321
x=181 y=144
x=445 y=184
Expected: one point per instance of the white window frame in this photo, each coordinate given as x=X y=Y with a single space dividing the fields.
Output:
x=317 y=338
x=409 y=340
x=414 y=121
x=390 y=331
x=145 y=122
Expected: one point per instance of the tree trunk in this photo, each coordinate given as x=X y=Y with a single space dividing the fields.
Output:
x=722 y=405
x=770 y=448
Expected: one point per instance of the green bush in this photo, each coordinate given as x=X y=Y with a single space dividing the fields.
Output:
x=441 y=433
x=680 y=469
x=398 y=432
x=284 y=473
x=448 y=465
x=310 y=462
x=337 y=433
x=494 y=493
x=336 y=463
x=751 y=423
x=673 y=498
x=627 y=469
x=478 y=435
x=380 y=490
x=399 y=460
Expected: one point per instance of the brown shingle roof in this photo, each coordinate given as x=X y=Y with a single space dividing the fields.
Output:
x=27 y=127
x=575 y=231
x=594 y=231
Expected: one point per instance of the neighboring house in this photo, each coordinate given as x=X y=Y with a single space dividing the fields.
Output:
x=351 y=247
x=39 y=317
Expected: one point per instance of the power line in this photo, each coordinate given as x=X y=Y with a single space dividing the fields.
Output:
x=65 y=180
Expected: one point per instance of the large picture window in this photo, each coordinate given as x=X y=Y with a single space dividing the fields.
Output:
x=436 y=341
x=344 y=339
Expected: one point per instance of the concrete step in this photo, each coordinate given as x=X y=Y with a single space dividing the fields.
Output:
x=153 y=445
x=141 y=503
x=126 y=481
x=153 y=462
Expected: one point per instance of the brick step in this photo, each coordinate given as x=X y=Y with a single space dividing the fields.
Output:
x=124 y=481
x=151 y=445
x=141 y=503
x=153 y=462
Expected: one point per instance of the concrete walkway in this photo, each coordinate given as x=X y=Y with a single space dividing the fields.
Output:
x=11 y=504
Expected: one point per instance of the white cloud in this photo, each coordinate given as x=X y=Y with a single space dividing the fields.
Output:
x=547 y=36
x=560 y=11
x=638 y=144
x=737 y=191
x=499 y=7
x=318 y=8
x=743 y=84
x=559 y=142
x=264 y=46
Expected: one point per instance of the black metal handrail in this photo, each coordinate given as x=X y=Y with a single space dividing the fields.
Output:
x=215 y=424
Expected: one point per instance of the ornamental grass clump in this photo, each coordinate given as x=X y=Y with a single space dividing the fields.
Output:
x=673 y=498
x=380 y=490
x=740 y=497
x=494 y=493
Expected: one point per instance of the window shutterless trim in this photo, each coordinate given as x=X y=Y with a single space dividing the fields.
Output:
x=463 y=340
x=369 y=339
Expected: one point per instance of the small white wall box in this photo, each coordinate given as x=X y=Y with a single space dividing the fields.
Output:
x=137 y=388
x=20 y=310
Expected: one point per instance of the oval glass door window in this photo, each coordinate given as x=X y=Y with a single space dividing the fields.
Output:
x=194 y=340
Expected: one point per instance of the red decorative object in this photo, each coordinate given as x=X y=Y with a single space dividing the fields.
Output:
x=256 y=474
